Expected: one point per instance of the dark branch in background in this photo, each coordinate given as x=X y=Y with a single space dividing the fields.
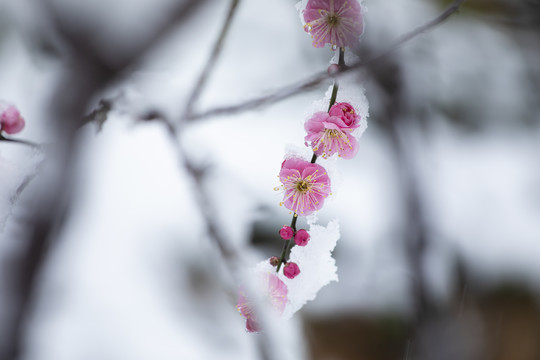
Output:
x=453 y=8
x=87 y=75
x=100 y=114
x=14 y=199
x=211 y=63
x=295 y=89
x=230 y=255
x=20 y=142
x=197 y=174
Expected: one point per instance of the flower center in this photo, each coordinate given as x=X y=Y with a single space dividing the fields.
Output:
x=333 y=133
x=332 y=20
x=303 y=186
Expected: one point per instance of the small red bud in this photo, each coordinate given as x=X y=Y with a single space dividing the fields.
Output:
x=301 y=237
x=274 y=261
x=286 y=232
x=291 y=270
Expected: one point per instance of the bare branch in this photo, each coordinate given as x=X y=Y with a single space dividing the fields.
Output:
x=295 y=89
x=20 y=142
x=453 y=8
x=211 y=62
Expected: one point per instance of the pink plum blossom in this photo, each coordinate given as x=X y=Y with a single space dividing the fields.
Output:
x=346 y=112
x=335 y=22
x=330 y=133
x=274 y=291
x=11 y=120
x=301 y=237
x=291 y=270
x=286 y=232
x=306 y=185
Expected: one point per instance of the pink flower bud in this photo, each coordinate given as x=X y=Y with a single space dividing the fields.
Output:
x=333 y=69
x=346 y=112
x=286 y=232
x=274 y=261
x=301 y=238
x=11 y=120
x=291 y=270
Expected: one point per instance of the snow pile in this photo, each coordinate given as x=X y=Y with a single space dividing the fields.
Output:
x=316 y=263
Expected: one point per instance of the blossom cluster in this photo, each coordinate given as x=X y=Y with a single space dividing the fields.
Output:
x=305 y=185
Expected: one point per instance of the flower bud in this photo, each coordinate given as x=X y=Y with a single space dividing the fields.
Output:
x=274 y=261
x=291 y=270
x=301 y=237
x=286 y=232
x=333 y=69
x=346 y=112
x=11 y=120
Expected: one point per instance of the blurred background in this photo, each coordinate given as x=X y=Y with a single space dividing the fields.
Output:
x=439 y=211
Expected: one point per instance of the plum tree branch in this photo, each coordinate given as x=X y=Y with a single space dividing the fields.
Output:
x=313 y=81
x=211 y=62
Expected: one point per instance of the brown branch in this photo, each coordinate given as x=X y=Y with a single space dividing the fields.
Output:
x=310 y=83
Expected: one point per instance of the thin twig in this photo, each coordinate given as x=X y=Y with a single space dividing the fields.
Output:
x=228 y=252
x=14 y=199
x=297 y=88
x=452 y=9
x=21 y=142
x=211 y=62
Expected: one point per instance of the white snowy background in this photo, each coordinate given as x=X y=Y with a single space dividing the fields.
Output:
x=134 y=275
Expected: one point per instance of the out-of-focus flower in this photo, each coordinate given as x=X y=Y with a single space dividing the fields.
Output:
x=335 y=22
x=286 y=232
x=291 y=270
x=11 y=120
x=273 y=290
x=306 y=185
x=333 y=69
x=301 y=238
x=330 y=133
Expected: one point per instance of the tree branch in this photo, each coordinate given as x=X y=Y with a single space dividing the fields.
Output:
x=310 y=83
x=211 y=62
x=21 y=142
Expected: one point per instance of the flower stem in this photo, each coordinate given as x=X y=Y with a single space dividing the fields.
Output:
x=287 y=246
x=22 y=142
x=341 y=64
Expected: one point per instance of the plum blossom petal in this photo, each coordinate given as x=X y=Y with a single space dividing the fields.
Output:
x=335 y=22
x=306 y=185
x=286 y=232
x=346 y=112
x=273 y=290
x=330 y=133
